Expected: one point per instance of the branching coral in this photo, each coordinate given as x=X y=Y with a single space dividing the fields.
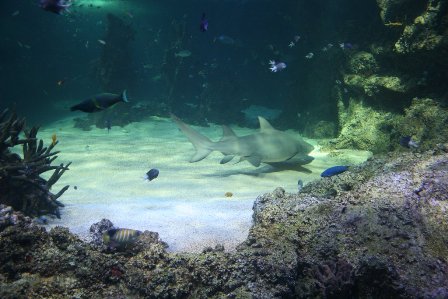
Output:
x=20 y=183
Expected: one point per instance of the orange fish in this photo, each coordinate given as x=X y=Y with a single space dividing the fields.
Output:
x=54 y=138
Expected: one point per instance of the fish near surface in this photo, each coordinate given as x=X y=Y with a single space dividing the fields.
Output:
x=100 y=102
x=269 y=145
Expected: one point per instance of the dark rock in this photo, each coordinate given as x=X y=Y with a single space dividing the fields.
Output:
x=98 y=229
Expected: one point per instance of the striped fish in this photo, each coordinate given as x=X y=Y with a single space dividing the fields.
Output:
x=120 y=237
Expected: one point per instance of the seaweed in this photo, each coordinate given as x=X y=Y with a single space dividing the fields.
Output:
x=21 y=186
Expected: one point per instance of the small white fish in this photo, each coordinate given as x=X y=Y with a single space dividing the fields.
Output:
x=20 y=44
x=291 y=44
x=27 y=47
x=15 y=14
x=276 y=66
x=309 y=55
x=101 y=42
x=87 y=44
x=183 y=53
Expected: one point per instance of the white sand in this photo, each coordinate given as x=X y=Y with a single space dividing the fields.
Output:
x=186 y=203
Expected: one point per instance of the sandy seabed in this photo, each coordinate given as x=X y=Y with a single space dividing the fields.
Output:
x=186 y=204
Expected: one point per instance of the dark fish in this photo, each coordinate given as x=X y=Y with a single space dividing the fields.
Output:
x=120 y=237
x=300 y=185
x=203 y=26
x=152 y=174
x=108 y=125
x=100 y=102
x=334 y=171
x=55 y=6
x=407 y=142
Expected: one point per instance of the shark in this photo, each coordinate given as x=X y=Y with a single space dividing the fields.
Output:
x=268 y=145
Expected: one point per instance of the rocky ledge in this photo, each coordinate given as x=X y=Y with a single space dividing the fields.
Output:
x=375 y=231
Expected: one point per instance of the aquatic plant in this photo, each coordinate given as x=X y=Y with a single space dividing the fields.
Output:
x=21 y=186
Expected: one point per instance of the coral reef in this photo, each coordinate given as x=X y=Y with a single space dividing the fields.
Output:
x=375 y=231
x=20 y=183
x=426 y=32
x=363 y=127
x=426 y=121
x=382 y=78
x=321 y=129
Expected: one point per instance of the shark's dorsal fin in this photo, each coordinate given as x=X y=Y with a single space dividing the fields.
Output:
x=227 y=133
x=265 y=125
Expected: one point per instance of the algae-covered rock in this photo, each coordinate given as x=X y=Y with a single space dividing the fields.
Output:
x=395 y=10
x=425 y=120
x=361 y=128
x=362 y=63
x=366 y=128
x=426 y=33
x=321 y=129
x=377 y=86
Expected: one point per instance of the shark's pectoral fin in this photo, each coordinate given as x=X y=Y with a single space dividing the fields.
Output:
x=200 y=154
x=254 y=160
x=226 y=159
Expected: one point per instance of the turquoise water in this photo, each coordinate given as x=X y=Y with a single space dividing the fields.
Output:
x=156 y=51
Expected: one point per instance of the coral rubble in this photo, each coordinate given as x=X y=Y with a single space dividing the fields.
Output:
x=21 y=186
x=375 y=231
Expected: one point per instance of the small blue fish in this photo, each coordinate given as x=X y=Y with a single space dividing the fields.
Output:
x=203 y=26
x=406 y=141
x=152 y=174
x=346 y=46
x=333 y=171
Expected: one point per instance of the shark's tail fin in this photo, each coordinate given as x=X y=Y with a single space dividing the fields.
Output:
x=124 y=97
x=202 y=144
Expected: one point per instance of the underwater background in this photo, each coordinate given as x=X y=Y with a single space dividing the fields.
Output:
x=106 y=204
x=51 y=61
